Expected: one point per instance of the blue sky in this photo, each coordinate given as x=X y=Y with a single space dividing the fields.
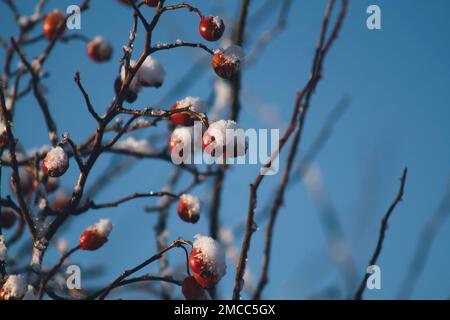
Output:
x=397 y=81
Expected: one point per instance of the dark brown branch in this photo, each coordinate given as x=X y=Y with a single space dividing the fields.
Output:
x=178 y=44
x=24 y=210
x=384 y=225
x=102 y=294
x=86 y=97
x=52 y=272
x=76 y=154
x=92 y=205
x=301 y=107
x=51 y=125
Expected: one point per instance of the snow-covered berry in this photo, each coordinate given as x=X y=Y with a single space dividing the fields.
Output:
x=211 y=28
x=181 y=142
x=207 y=261
x=184 y=118
x=192 y=290
x=96 y=235
x=151 y=73
x=14 y=288
x=224 y=138
x=52 y=24
x=189 y=208
x=8 y=218
x=56 y=162
x=99 y=50
x=227 y=63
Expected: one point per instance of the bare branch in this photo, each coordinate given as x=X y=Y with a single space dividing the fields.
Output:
x=384 y=225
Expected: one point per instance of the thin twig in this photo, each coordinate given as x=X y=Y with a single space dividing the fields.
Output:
x=384 y=225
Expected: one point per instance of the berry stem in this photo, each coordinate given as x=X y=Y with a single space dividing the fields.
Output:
x=53 y=270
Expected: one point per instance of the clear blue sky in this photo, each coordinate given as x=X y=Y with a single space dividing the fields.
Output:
x=397 y=79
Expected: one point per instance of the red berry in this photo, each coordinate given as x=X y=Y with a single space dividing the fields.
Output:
x=192 y=290
x=211 y=28
x=175 y=142
x=206 y=279
x=96 y=235
x=125 y=1
x=8 y=218
x=91 y=240
x=151 y=3
x=52 y=24
x=99 y=50
x=196 y=261
x=182 y=118
x=189 y=208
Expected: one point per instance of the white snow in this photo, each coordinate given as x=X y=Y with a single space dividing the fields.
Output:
x=151 y=73
x=192 y=202
x=30 y=294
x=3 y=249
x=56 y=159
x=131 y=143
x=135 y=85
x=212 y=254
x=103 y=227
x=195 y=104
x=14 y=287
x=227 y=134
x=217 y=21
x=42 y=204
x=222 y=90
